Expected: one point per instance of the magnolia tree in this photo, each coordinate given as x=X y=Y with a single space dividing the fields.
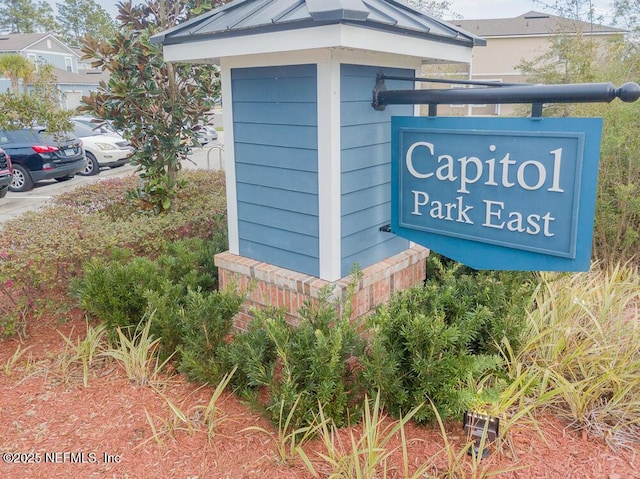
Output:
x=153 y=102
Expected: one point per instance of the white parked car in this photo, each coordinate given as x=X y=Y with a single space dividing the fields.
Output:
x=103 y=146
x=205 y=133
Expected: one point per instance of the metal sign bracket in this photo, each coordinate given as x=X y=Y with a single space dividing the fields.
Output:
x=499 y=93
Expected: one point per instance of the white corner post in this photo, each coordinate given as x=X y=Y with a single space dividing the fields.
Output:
x=229 y=162
x=329 y=165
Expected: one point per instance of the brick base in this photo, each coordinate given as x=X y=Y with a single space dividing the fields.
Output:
x=268 y=285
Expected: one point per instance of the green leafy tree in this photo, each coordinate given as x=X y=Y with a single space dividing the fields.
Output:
x=26 y=16
x=579 y=10
x=628 y=11
x=16 y=68
x=78 y=18
x=617 y=222
x=41 y=106
x=153 y=102
x=570 y=59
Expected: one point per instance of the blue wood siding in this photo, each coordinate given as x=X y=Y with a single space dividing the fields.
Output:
x=276 y=156
x=366 y=171
x=55 y=59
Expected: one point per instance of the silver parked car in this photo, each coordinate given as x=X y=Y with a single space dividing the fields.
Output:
x=103 y=146
x=205 y=133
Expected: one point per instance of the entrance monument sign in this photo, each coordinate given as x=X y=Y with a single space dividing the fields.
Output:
x=307 y=159
x=498 y=193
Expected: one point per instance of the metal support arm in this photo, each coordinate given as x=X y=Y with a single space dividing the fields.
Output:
x=535 y=94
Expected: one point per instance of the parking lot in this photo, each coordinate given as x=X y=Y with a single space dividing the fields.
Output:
x=211 y=157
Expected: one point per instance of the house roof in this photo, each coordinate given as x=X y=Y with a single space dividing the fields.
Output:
x=16 y=42
x=19 y=41
x=531 y=23
x=249 y=17
x=83 y=77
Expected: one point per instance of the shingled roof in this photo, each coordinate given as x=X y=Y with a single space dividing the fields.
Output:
x=531 y=23
x=17 y=42
x=83 y=77
x=249 y=17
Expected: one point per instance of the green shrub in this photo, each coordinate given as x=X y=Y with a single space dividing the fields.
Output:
x=254 y=353
x=299 y=367
x=617 y=224
x=175 y=292
x=105 y=195
x=458 y=289
x=115 y=292
x=190 y=262
x=164 y=306
x=205 y=323
x=43 y=250
x=435 y=342
x=617 y=219
x=121 y=291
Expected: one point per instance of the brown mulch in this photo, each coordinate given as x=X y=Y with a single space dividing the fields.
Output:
x=107 y=429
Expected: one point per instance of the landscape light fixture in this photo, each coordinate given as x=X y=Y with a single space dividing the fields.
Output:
x=483 y=429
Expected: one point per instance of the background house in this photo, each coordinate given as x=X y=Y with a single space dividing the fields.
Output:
x=74 y=79
x=509 y=42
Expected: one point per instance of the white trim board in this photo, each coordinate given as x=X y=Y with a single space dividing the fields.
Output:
x=230 y=162
x=329 y=165
x=314 y=38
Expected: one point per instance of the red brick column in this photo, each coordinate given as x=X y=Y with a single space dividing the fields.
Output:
x=268 y=285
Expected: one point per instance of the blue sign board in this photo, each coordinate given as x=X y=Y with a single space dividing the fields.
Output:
x=497 y=193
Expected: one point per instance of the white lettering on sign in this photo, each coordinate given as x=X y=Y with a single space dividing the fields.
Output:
x=442 y=211
x=464 y=172
x=470 y=169
x=494 y=219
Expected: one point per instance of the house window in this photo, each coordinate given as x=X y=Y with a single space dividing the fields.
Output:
x=33 y=58
x=496 y=106
x=68 y=64
x=49 y=43
x=474 y=109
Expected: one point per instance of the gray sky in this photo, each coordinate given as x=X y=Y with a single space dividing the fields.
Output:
x=472 y=9
x=469 y=9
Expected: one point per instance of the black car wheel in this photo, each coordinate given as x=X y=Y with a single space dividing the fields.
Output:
x=92 y=168
x=21 y=180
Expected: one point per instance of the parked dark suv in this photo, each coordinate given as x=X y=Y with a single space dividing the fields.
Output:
x=5 y=173
x=36 y=156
